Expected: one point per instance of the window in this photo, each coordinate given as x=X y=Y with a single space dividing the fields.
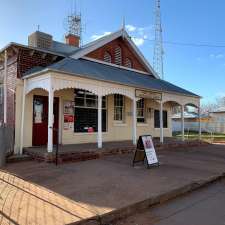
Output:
x=107 y=57
x=128 y=63
x=118 y=56
x=157 y=119
x=141 y=111
x=1 y=94
x=86 y=112
x=118 y=107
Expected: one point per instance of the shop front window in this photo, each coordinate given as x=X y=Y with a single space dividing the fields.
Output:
x=86 y=112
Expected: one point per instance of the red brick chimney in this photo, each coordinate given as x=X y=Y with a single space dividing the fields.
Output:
x=72 y=40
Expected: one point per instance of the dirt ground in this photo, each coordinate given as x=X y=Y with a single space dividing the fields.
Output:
x=41 y=193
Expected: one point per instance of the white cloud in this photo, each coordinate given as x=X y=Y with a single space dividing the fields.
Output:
x=216 y=56
x=140 y=34
x=97 y=36
x=131 y=28
x=138 y=41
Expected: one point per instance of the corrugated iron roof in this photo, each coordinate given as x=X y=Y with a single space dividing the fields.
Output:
x=99 y=71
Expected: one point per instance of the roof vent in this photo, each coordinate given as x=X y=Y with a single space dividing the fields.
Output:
x=40 y=40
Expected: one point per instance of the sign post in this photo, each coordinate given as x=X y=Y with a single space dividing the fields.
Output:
x=145 y=150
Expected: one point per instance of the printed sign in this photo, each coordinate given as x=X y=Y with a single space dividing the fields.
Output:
x=149 y=150
x=145 y=150
x=68 y=107
x=148 y=94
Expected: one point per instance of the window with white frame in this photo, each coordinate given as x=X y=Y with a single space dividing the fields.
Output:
x=86 y=112
x=141 y=111
x=107 y=57
x=128 y=63
x=119 y=107
x=118 y=56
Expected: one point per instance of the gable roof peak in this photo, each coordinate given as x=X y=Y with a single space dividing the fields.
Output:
x=108 y=38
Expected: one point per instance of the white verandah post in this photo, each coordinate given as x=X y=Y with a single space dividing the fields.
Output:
x=182 y=121
x=23 y=116
x=161 y=121
x=199 y=123
x=134 y=133
x=99 y=121
x=50 y=119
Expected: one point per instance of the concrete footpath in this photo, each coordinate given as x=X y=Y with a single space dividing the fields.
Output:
x=102 y=190
x=204 y=206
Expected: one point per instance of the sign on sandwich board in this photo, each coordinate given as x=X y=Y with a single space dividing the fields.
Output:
x=145 y=150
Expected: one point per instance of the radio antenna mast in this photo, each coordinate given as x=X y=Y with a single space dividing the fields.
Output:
x=158 y=45
x=74 y=22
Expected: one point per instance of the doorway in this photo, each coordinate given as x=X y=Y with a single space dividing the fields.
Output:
x=40 y=120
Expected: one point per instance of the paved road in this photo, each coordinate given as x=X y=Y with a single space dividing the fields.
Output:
x=203 y=207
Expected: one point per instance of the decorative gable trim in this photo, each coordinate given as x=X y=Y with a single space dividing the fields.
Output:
x=105 y=40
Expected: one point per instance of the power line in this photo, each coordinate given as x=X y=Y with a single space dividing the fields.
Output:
x=187 y=44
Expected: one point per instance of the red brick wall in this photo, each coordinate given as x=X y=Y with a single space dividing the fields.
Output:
x=127 y=52
x=27 y=61
x=11 y=87
x=17 y=65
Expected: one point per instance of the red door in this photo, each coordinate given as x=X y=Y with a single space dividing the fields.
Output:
x=40 y=120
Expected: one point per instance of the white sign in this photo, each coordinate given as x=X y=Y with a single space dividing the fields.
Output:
x=149 y=150
x=148 y=94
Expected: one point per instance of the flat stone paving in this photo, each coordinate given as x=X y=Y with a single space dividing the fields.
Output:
x=46 y=194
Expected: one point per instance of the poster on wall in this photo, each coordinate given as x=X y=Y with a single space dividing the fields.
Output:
x=68 y=107
x=68 y=122
x=68 y=111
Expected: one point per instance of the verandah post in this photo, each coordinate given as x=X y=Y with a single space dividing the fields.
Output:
x=23 y=116
x=134 y=122
x=182 y=122
x=50 y=119
x=161 y=121
x=99 y=121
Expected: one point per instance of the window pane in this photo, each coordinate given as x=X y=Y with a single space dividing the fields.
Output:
x=140 y=111
x=157 y=119
x=79 y=102
x=91 y=103
x=118 y=107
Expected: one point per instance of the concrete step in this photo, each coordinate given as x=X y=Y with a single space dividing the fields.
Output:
x=18 y=158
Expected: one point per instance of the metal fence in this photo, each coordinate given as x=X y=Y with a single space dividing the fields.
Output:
x=212 y=131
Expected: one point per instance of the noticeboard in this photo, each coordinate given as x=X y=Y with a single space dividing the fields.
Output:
x=145 y=150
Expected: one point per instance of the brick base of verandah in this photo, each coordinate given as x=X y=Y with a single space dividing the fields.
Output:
x=83 y=152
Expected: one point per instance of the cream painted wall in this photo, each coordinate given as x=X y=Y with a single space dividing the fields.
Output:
x=115 y=132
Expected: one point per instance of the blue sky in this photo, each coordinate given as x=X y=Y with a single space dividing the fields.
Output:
x=199 y=69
